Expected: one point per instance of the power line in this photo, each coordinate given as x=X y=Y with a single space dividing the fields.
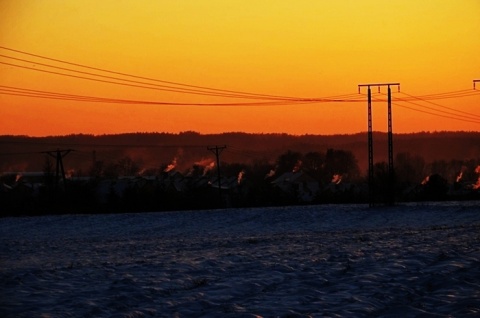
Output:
x=462 y=117
x=438 y=105
x=438 y=115
x=145 y=78
x=24 y=92
x=8 y=90
x=467 y=118
x=447 y=95
x=18 y=91
x=152 y=87
x=430 y=113
x=183 y=88
x=160 y=87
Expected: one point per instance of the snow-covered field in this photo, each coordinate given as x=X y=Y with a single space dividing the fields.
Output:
x=334 y=260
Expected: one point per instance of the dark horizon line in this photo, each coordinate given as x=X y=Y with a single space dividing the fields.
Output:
x=239 y=132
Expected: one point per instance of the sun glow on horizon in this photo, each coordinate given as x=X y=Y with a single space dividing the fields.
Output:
x=298 y=49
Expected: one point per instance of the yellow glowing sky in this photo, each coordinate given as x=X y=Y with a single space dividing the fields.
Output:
x=295 y=48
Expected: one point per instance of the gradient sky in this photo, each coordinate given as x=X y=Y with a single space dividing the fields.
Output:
x=306 y=49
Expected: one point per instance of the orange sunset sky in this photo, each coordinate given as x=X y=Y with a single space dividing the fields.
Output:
x=295 y=49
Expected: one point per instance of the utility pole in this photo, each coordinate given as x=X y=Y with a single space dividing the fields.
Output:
x=391 y=173
x=217 y=150
x=59 y=155
x=475 y=81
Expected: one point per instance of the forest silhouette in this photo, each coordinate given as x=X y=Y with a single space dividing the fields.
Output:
x=163 y=171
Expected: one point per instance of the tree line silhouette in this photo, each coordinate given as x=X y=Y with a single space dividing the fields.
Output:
x=331 y=176
x=23 y=153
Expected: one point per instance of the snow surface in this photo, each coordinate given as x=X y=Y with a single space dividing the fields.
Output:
x=319 y=261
